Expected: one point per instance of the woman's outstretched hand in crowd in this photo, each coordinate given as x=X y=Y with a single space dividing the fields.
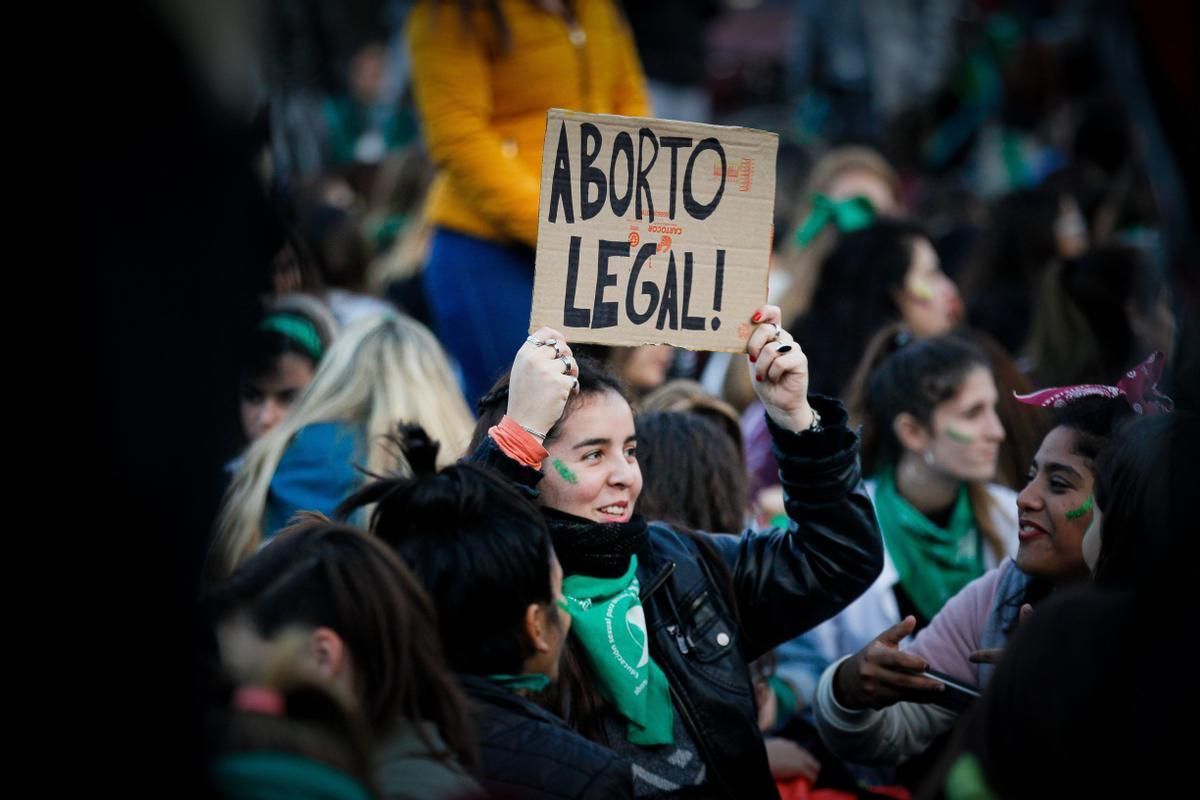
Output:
x=882 y=674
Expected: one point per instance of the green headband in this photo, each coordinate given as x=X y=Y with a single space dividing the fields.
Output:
x=263 y=776
x=298 y=329
x=848 y=215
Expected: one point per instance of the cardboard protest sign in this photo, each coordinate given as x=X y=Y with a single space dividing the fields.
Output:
x=653 y=231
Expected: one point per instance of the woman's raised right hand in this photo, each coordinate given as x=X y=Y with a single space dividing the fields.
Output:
x=544 y=375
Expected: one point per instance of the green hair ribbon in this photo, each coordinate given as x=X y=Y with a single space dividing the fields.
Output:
x=847 y=215
x=298 y=329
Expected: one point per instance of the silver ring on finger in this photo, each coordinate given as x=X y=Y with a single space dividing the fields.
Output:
x=566 y=360
x=534 y=341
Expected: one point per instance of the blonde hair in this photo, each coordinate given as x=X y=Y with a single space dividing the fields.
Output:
x=842 y=159
x=380 y=371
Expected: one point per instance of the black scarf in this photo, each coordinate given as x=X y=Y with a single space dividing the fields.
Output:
x=597 y=549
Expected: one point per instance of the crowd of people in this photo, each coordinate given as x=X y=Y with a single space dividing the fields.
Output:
x=924 y=537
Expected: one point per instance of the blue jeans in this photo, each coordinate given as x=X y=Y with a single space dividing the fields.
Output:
x=481 y=295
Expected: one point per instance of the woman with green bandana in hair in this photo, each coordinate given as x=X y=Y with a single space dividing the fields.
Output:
x=885 y=273
x=380 y=372
x=665 y=621
x=845 y=191
x=282 y=354
x=875 y=706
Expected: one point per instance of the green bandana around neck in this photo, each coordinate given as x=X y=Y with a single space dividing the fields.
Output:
x=934 y=563
x=847 y=215
x=608 y=619
x=531 y=681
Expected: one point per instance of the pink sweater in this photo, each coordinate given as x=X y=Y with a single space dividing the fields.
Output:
x=900 y=731
x=954 y=632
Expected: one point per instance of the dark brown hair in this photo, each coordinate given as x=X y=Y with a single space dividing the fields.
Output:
x=594 y=378
x=901 y=375
x=321 y=574
x=692 y=474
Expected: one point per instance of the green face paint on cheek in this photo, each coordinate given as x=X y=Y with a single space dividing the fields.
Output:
x=922 y=291
x=564 y=472
x=1076 y=513
x=961 y=438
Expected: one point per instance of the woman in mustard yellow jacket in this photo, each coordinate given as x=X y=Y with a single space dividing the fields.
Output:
x=483 y=81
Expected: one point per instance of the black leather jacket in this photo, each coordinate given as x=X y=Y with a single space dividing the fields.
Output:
x=716 y=602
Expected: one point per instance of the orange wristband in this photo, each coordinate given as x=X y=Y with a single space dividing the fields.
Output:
x=517 y=443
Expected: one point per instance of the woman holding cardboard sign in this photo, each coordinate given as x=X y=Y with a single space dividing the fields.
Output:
x=666 y=621
x=484 y=75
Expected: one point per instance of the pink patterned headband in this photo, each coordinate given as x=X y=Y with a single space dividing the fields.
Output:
x=1139 y=387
